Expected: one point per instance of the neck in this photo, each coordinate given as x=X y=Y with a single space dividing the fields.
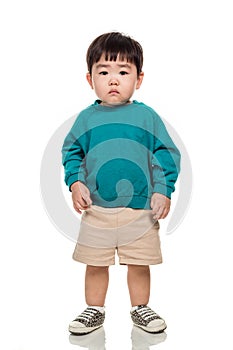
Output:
x=115 y=105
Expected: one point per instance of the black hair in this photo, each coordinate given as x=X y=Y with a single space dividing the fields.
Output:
x=115 y=44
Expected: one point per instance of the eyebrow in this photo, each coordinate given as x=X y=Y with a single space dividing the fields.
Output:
x=123 y=65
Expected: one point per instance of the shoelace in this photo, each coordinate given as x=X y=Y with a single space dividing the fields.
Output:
x=87 y=314
x=146 y=313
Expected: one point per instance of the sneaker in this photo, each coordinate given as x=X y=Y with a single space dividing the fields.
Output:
x=147 y=319
x=89 y=320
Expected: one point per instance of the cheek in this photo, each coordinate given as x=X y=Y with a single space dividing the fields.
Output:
x=133 y=86
x=100 y=85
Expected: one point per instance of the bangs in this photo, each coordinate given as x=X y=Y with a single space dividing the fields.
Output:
x=123 y=56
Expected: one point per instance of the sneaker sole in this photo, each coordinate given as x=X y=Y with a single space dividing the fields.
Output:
x=81 y=330
x=152 y=330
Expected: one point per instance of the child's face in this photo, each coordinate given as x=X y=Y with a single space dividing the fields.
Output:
x=114 y=82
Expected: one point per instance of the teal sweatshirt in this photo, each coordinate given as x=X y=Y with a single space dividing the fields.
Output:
x=123 y=154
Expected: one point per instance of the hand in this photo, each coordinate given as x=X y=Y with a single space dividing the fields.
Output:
x=80 y=196
x=160 y=206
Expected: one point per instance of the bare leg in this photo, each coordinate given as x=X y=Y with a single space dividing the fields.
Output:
x=96 y=285
x=139 y=284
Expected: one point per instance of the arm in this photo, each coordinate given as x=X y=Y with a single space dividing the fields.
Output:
x=165 y=170
x=73 y=159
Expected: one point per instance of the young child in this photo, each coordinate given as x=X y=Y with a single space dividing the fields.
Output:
x=121 y=166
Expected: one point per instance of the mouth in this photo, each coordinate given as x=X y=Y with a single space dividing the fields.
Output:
x=112 y=92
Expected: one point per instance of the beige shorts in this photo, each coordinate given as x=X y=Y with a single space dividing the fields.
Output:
x=132 y=233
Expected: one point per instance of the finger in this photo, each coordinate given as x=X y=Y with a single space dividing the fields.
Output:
x=79 y=207
x=84 y=199
x=165 y=213
x=82 y=203
x=162 y=214
x=155 y=208
x=159 y=213
x=151 y=204
x=87 y=200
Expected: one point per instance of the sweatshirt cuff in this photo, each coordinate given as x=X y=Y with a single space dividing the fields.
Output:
x=74 y=178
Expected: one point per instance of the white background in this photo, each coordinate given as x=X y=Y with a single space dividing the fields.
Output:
x=188 y=81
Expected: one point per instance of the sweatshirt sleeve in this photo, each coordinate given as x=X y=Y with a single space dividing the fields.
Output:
x=73 y=158
x=165 y=162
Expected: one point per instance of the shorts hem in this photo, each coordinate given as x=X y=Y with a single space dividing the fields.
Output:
x=91 y=262
x=140 y=262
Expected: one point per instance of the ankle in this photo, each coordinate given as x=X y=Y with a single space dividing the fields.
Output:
x=136 y=307
x=99 y=308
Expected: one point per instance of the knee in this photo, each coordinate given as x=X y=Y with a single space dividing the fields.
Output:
x=139 y=269
x=97 y=269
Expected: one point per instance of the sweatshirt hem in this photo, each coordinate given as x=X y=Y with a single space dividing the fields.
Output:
x=134 y=202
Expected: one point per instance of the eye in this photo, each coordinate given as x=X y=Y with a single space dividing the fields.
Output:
x=123 y=72
x=103 y=73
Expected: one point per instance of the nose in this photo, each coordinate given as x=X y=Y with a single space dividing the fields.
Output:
x=113 y=81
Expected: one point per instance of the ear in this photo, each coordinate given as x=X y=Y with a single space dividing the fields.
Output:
x=89 y=79
x=140 y=79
